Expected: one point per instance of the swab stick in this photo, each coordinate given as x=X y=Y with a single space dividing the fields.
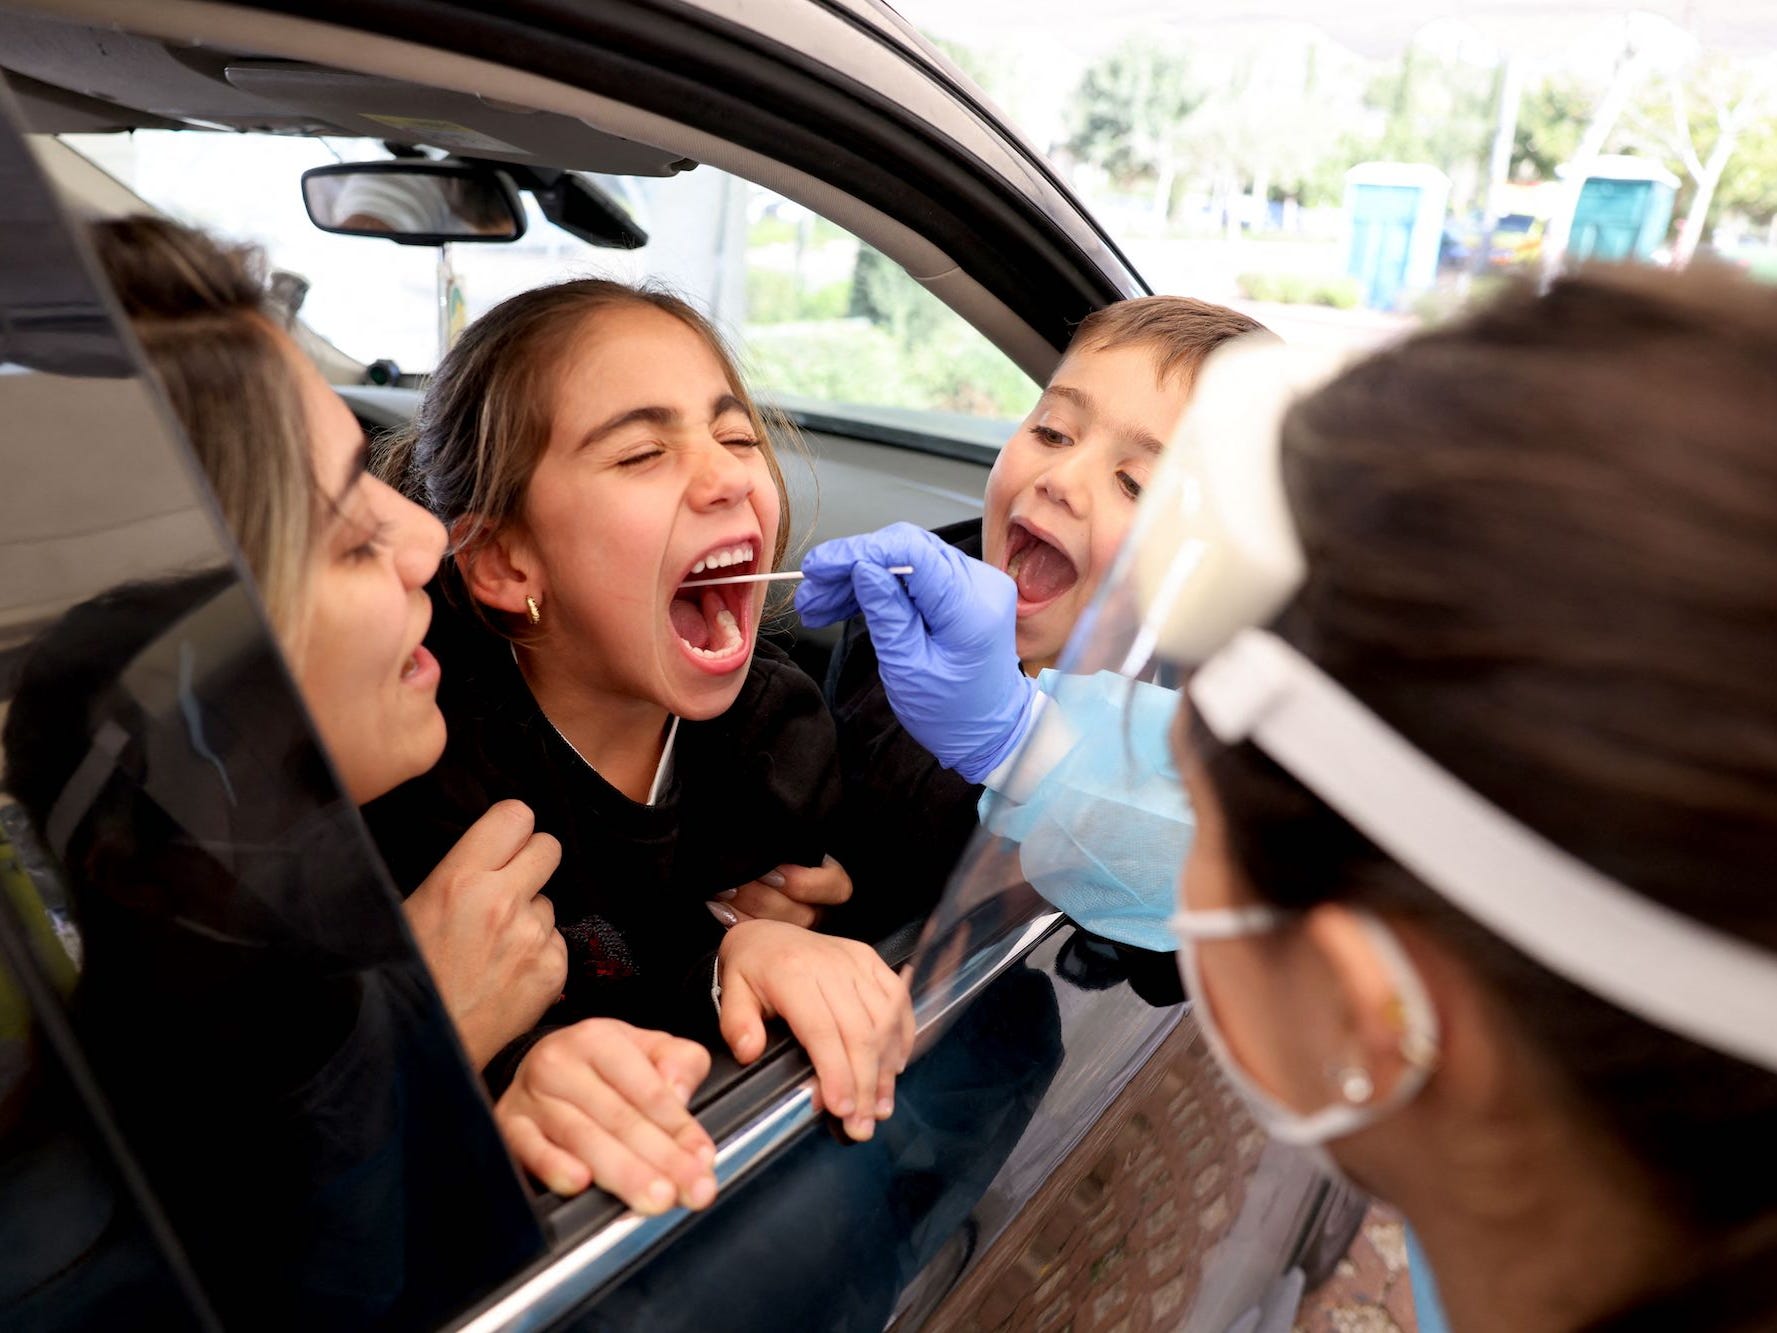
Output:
x=767 y=578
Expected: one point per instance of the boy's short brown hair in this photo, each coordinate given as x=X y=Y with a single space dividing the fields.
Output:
x=1181 y=330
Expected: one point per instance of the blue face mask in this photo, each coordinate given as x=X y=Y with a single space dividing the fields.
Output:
x=1428 y=1310
x=1095 y=804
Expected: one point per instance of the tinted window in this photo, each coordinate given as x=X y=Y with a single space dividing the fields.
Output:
x=204 y=917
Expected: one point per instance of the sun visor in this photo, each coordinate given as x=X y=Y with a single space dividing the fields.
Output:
x=47 y=109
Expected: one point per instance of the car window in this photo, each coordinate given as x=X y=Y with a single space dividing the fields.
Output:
x=192 y=914
x=821 y=318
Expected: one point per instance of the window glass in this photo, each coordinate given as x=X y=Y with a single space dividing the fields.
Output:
x=196 y=891
x=819 y=317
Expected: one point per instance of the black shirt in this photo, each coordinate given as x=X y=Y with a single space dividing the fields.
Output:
x=907 y=817
x=752 y=789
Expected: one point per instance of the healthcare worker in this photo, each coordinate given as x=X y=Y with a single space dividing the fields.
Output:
x=1481 y=739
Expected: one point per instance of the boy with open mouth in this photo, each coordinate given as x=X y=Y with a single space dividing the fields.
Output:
x=1059 y=501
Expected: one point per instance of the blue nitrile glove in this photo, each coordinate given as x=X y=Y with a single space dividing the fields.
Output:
x=946 y=639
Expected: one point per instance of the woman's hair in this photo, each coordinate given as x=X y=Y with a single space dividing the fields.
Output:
x=486 y=418
x=1542 y=545
x=200 y=311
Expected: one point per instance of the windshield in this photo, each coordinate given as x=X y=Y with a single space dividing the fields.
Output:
x=819 y=317
x=371 y=299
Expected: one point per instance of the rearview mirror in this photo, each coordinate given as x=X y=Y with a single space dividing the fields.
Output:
x=412 y=202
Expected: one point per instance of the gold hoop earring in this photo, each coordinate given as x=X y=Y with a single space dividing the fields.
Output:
x=533 y=610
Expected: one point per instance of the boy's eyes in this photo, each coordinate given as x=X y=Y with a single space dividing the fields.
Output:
x=1127 y=482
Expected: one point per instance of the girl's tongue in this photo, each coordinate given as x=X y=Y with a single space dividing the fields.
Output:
x=1041 y=571
x=694 y=615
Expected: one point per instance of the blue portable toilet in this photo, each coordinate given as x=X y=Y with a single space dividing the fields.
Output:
x=1396 y=214
x=1623 y=210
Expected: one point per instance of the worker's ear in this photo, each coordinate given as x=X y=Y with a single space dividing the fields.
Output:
x=1365 y=971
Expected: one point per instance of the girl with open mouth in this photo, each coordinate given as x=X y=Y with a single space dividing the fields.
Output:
x=592 y=451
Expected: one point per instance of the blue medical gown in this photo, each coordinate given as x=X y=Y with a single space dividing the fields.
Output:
x=1095 y=803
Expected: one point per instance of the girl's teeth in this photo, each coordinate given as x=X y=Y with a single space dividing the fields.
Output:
x=731 y=636
x=734 y=555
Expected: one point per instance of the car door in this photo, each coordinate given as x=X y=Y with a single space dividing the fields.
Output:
x=1062 y=1144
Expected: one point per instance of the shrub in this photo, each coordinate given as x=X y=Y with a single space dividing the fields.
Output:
x=952 y=369
x=1339 y=291
x=774 y=297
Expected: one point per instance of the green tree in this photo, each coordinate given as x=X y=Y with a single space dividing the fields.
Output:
x=1438 y=110
x=1551 y=117
x=1749 y=185
x=1696 y=122
x=1129 y=114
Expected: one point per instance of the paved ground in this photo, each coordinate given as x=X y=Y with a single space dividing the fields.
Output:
x=1370 y=1292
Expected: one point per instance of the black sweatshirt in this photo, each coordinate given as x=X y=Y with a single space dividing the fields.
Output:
x=907 y=817
x=752 y=789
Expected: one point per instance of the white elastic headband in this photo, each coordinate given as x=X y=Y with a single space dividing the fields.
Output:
x=1622 y=946
x=1221 y=555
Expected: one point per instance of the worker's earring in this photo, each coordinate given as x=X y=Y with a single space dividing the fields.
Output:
x=534 y=611
x=1355 y=1084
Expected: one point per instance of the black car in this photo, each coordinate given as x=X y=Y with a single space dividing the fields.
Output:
x=1064 y=1153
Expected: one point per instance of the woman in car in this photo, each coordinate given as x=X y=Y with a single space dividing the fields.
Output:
x=1478 y=901
x=595 y=455
x=342 y=561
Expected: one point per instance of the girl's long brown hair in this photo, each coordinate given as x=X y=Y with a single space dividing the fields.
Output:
x=1542 y=544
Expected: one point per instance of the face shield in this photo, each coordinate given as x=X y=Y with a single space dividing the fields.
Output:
x=1212 y=559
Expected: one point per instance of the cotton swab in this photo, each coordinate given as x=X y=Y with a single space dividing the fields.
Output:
x=767 y=578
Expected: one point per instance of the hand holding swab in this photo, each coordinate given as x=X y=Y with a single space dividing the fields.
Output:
x=767 y=578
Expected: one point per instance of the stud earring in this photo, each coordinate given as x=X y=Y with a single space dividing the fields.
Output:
x=534 y=611
x=1355 y=1084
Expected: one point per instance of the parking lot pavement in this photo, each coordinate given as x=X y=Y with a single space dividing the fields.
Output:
x=1370 y=1291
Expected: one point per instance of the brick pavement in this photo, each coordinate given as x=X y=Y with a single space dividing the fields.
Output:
x=1369 y=1292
